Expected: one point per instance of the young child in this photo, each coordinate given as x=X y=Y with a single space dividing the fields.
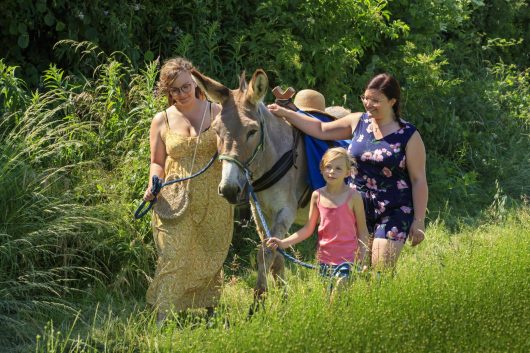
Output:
x=342 y=233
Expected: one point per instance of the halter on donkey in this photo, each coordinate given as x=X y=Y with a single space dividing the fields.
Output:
x=251 y=142
x=255 y=145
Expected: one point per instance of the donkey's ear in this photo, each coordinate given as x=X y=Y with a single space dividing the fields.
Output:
x=258 y=87
x=215 y=91
x=243 y=82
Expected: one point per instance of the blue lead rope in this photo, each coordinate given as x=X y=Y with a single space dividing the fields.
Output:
x=157 y=185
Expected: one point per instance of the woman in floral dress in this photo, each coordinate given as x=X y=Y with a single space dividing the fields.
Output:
x=391 y=166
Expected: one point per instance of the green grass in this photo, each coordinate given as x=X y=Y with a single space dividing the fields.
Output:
x=465 y=292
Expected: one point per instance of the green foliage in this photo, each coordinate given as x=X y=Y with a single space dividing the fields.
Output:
x=13 y=94
x=58 y=236
x=40 y=229
x=465 y=292
x=219 y=37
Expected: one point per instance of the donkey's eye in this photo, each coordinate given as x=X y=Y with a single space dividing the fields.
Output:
x=251 y=133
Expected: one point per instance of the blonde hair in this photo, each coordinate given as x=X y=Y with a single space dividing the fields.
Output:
x=336 y=153
x=169 y=72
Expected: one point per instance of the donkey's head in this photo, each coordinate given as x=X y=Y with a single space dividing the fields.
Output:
x=239 y=128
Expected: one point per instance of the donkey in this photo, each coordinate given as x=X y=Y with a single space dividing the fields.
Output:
x=251 y=138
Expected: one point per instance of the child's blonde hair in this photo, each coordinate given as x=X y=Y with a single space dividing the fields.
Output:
x=335 y=153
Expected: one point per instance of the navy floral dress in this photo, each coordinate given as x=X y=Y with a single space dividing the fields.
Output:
x=383 y=180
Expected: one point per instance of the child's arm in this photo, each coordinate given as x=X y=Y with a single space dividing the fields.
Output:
x=362 y=229
x=304 y=232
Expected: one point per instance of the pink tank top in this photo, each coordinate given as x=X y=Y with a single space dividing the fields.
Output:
x=337 y=233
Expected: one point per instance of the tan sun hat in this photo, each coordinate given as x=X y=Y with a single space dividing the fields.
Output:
x=311 y=101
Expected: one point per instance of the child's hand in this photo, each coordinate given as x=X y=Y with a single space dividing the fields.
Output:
x=277 y=110
x=274 y=243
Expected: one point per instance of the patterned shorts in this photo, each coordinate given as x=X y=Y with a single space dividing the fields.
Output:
x=392 y=222
x=342 y=270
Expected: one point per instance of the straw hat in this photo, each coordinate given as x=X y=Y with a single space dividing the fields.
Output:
x=311 y=101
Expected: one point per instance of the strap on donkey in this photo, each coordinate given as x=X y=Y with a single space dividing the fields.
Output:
x=314 y=147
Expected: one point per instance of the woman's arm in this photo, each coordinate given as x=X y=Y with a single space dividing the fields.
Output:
x=304 y=232
x=415 y=154
x=158 y=152
x=362 y=229
x=338 y=129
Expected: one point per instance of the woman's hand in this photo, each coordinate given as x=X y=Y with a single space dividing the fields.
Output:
x=417 y=232
x=274 y=243
x=277 y=110
x=148 y=195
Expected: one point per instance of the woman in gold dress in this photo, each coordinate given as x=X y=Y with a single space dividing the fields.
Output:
x=191 y=248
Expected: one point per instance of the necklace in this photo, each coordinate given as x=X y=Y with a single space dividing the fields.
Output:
x=379 y=127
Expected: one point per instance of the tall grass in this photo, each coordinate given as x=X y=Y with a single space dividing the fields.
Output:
x=466 y=292
x=40 y=226
x=60 y=232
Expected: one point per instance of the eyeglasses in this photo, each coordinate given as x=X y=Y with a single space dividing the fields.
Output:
x=184 y=89
x=366 y=100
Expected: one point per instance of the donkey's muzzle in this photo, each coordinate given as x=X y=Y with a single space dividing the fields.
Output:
x=234 y=194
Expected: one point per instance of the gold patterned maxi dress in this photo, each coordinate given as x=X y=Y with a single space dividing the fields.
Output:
x=193 y=247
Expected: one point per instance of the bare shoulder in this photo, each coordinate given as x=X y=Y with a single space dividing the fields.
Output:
x=216 y=108
x=416 y=137
x=353 y=119
x=158 y=119
x=415 y=142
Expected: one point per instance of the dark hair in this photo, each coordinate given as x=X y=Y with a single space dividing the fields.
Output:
x=389 y=86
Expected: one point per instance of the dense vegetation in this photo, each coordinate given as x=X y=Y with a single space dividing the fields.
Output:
x=76 y=99
x=463 y=293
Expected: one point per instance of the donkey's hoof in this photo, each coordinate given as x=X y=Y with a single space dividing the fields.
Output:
x=255 y=307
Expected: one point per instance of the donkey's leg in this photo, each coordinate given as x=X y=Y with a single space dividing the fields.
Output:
x=284 y=219
x=265 y=260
